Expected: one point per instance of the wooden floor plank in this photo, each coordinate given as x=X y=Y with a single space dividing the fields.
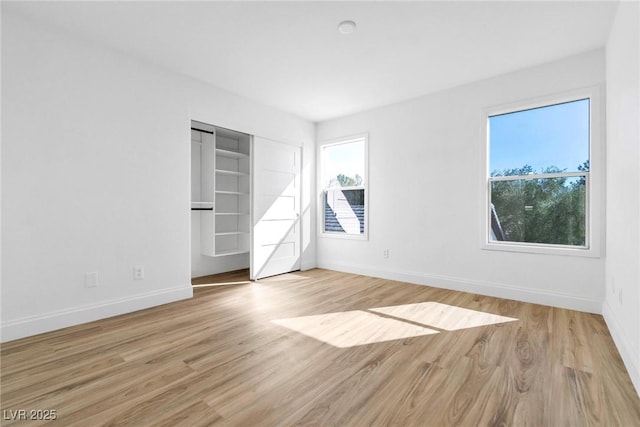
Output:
x=285 y=351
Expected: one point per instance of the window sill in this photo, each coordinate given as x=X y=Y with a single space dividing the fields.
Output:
x=344 y=236
x=542 y=249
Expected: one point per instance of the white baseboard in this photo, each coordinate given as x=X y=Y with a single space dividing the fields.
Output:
x=554 y=299
x=631 y=360
x=33 y=325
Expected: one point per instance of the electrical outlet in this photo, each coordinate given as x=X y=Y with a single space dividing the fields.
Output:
x=91 y=280
x=385 y=254
x=138 y=272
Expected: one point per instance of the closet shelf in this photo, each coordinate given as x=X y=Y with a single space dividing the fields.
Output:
x=232 y=213
x=231 y=252
x=231 y=154
x=231 y=233
x=231 y=173
x=232 y=192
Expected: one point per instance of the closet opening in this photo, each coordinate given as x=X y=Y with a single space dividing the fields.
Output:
x=245 y=205
x=220 y=200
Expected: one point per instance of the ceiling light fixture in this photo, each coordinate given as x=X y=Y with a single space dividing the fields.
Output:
x=346 y=27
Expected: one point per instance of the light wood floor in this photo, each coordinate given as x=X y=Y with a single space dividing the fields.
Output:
x=325 y=348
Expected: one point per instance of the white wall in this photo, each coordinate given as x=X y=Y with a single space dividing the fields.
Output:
x=425 y=201
x=622 y=302
x=95 y=176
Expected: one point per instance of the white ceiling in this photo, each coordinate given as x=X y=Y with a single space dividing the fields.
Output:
x=290 y=55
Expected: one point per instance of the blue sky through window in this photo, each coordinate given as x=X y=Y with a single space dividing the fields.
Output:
x=556 y=135
x=344 y=158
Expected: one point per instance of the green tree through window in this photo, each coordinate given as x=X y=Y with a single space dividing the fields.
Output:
x=543 y=210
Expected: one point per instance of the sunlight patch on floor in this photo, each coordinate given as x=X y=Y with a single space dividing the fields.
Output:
x=352 y=328
x=360 y=327
x=442 y=316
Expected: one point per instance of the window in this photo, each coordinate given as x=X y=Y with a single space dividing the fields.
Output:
x=540 y=176
x=343 y=183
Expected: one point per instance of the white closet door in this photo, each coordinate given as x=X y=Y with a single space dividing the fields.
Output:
x=276 y=208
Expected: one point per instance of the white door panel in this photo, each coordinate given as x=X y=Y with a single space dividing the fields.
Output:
x=276 y=208
x=279 y=183
x=283 y=208
x=278 y=231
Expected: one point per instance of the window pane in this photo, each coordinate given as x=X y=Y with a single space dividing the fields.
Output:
x=343 y=164
x=550 y=210
x=546 y=139
x=344 y=211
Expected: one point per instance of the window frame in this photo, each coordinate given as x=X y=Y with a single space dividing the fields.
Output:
x=365 y=185
x=594 y=194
